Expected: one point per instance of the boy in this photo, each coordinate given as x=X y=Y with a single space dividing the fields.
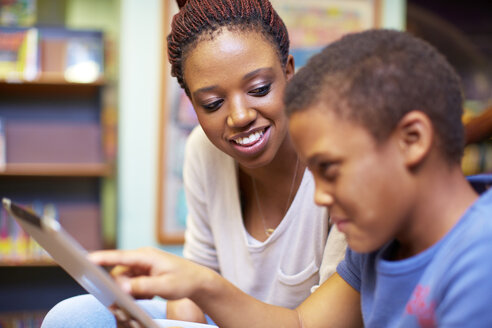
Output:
x=377 y=118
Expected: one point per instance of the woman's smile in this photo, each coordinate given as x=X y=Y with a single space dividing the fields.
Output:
x=251 y=143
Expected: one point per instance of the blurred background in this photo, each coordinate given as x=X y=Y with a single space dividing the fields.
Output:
x=92 y=126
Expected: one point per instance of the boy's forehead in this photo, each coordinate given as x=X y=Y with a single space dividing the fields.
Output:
x=313 y=113
x=318 y=130
x=312 y=127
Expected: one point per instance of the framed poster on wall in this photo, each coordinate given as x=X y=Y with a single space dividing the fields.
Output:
x=312 y=24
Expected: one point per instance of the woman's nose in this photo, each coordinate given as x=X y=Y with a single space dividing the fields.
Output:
x=240 y=115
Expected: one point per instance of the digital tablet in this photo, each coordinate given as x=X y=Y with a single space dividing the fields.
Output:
x=71 y=256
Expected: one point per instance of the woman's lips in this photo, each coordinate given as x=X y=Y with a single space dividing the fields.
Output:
x=256 y=143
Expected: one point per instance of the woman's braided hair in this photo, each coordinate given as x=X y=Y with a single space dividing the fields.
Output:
x=199 y=18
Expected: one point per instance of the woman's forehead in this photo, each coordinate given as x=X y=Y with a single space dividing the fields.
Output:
x=230 y=42
x=230 y=53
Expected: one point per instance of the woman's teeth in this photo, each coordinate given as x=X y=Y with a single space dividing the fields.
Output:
x=252 y=138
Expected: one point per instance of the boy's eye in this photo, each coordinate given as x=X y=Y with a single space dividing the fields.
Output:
x=260 y=91
x=213 y=106
x=329 y=170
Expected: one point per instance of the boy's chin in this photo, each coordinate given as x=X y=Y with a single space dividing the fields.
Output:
x=363 y=246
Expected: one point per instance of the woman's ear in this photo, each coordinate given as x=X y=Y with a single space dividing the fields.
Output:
x=415 y=134
x=290 y=67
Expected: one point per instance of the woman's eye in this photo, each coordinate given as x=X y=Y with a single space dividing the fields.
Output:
x=213 y=106
x=260 y=91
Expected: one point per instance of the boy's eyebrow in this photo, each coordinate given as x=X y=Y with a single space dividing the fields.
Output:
x=322 y=157
x=312 y=160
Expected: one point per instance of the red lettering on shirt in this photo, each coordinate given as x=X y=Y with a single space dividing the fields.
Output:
x=421 y=307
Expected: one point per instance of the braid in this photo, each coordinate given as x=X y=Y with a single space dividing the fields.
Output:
x=202 y=17
x=181 y=3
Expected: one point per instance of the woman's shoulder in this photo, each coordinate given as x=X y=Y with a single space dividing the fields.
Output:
x=197 y=138
x=199 y=149
x=198 y=142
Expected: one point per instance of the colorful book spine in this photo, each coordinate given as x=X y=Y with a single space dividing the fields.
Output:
x=22 y=319
x=16 y=246
x=5 y=243
x=3 y=146
x=18 y=54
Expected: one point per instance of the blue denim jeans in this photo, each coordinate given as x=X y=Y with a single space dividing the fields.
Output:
x=85 y=311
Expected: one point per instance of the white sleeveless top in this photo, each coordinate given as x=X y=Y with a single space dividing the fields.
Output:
x=283 y=269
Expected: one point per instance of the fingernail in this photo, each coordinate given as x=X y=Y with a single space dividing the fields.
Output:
x=126 y=285
x=120 y=314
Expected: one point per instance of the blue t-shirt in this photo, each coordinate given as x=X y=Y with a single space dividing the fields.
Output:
x=447 y=285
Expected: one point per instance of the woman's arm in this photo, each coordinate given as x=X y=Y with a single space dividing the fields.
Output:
x=151 y=272
x=199 y=243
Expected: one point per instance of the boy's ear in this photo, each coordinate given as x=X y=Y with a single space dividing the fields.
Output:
x=415 y=136
x=290 y=67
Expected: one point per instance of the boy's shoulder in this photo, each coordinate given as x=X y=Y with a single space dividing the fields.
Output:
x=459 y=274
x=469 y=244
x=476 y=223
x=478 y=218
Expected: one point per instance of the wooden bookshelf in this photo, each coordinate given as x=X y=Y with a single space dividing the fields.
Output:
x=51 y=78
x=55 y=131
x=59 y=169
x=28 y=263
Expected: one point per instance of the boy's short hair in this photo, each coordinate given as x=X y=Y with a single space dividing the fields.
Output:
x=375 y=77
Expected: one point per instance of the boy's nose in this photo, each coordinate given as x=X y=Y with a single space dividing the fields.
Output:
x=323 y=198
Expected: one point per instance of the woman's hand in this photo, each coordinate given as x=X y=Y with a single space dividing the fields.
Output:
x=147 y=272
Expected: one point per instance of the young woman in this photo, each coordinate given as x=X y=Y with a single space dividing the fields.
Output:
x=251 y=212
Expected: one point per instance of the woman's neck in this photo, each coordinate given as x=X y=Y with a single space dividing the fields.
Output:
x=267 y=192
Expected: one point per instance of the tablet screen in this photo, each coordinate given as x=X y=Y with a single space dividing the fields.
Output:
x=71 y=256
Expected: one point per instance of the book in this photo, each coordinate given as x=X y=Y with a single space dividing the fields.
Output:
x=18 y=54
x=84 y=59
x=3 y=146
x=16 y=246
x=18 y=13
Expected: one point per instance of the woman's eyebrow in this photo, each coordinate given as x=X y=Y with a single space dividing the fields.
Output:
x=256 y=71
x=204 y=89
